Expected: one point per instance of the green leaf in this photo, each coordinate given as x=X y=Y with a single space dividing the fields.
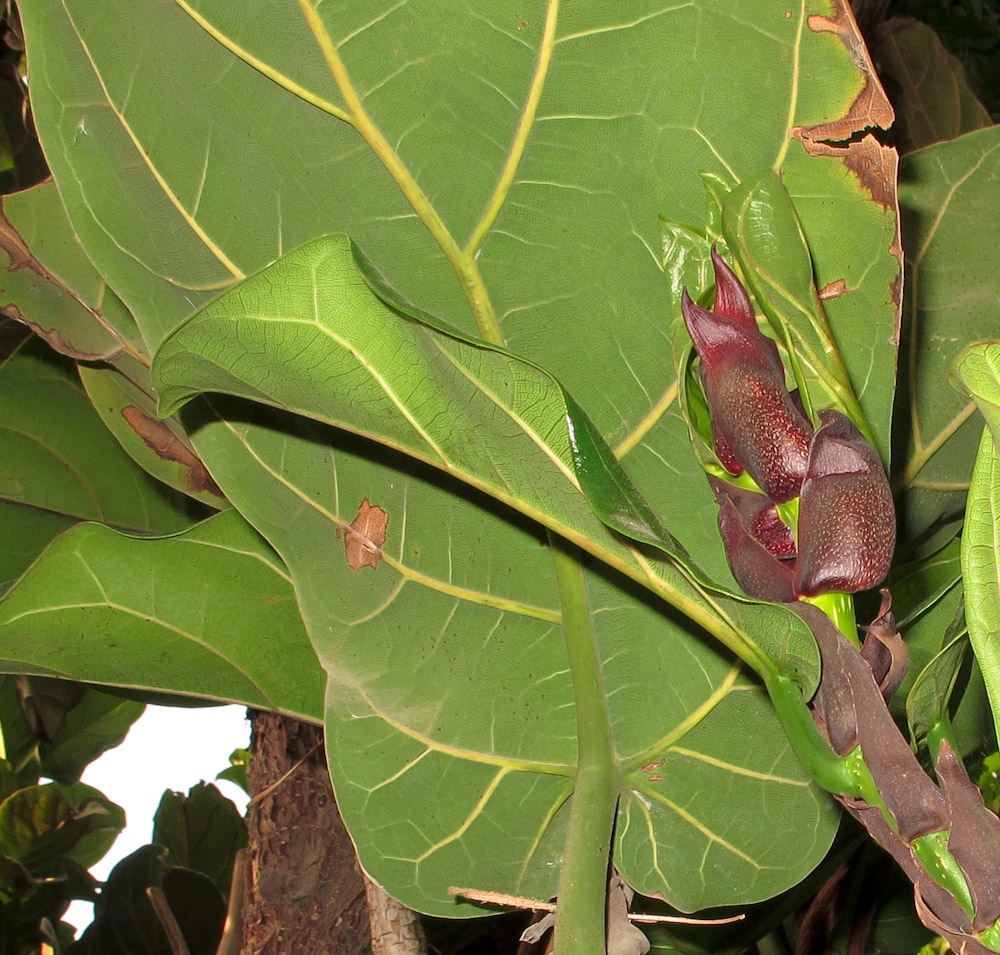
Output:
x=57 y=457
x=927 y=604
x=41 y=826
x=97 y=723
x=202 y=831
x=52 y=286
x=978 y=370
x=208 y=613
x=236 y=773
x=497 y=423
x=951 y=230
x=125 y=921
x=931 y=95
x=981 y=569
x=479 y=580
x=764 y=232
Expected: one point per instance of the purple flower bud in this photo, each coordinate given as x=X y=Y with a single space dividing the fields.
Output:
x=756 y=542
x=847 y=525
x=756 y=424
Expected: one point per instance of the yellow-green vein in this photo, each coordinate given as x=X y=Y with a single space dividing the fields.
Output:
x=523 y=425
x=696 y=823
x=643 y=427
x=464 y=265
x=793 y=92
x=339 y=678
x=687 y=724
x=477 y=811
x=737 y=770
x=261 y=67
x=192 y=223
x=521 y=135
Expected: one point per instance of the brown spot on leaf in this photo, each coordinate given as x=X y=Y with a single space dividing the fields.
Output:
x=834 y=290
x=166 y=445
x=365 y=535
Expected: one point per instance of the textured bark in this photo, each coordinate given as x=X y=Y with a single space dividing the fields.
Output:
x=395 y=929
x=304 y=893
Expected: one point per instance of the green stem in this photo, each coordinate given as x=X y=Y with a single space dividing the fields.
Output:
x=840 y=609
x=939 y=732
x=583 y=883
x=841 y=775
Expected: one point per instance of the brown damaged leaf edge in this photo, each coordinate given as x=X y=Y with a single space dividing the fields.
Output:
x=21 y=258
x=166 y=445
x=873 y=165
x=365 y=535
x=871 y=106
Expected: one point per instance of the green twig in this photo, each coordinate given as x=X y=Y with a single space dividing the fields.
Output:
x=580 y=926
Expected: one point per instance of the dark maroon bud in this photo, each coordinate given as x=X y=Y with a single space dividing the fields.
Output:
x=760 y=573
x=768 y=528
x=847 y=525
x=755 y=421
x=731 y=299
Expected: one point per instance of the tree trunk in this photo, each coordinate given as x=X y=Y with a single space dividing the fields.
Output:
x=304 y=893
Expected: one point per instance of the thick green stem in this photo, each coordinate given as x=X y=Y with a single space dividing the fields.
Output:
x=580 y=913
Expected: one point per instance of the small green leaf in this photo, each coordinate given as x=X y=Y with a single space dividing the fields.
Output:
x=201 y=831
x=57 y=456
x=125 y=921
x=159 y=447
x=97 y=723
x=42 y=825
x=763 y=230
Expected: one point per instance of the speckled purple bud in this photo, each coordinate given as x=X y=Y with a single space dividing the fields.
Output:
x=758 y=545
x=847 y=525
x=756 y=424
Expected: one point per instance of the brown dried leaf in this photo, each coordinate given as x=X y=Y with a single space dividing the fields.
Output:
x=364 y=536
x=974 y=839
